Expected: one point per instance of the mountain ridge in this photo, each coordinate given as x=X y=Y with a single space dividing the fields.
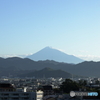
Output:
x=15 y=66
x=48 y=72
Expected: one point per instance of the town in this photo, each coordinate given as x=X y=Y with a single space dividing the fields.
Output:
x=30 y=88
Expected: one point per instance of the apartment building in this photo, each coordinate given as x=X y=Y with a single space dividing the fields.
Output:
x=8 y=92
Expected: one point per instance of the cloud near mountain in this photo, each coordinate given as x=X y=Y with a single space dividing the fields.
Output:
x=89 y=57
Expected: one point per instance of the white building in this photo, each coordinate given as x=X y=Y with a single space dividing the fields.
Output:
x=21 y=95
x=8 y=92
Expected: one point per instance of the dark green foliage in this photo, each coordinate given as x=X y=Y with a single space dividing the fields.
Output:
x=69 y=85
x=56 y=90
x=82 y=82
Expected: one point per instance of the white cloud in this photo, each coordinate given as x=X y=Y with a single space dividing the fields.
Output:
x=59 y=49
x=6 y=56
x=14 y=55
x=89 y=57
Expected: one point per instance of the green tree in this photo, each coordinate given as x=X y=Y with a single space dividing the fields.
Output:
x=82 y=82
x=69 y=85
x=97 y=82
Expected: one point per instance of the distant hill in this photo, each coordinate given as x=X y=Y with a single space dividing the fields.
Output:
x=16 y=66
x=48 y=72
x=48 y=53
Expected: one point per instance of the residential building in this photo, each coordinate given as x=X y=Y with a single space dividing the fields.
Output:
x=9 y=92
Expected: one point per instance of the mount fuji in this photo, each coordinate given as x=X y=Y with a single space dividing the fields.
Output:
x=49 y=53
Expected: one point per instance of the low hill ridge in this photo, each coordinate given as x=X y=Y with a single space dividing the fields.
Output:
x=48 y=72
x=17 y=66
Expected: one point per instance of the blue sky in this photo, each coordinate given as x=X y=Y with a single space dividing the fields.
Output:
x=26 y=26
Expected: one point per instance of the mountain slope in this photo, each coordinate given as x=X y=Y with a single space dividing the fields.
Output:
x=48 y=72
x=48 y=53
x=15 y=66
